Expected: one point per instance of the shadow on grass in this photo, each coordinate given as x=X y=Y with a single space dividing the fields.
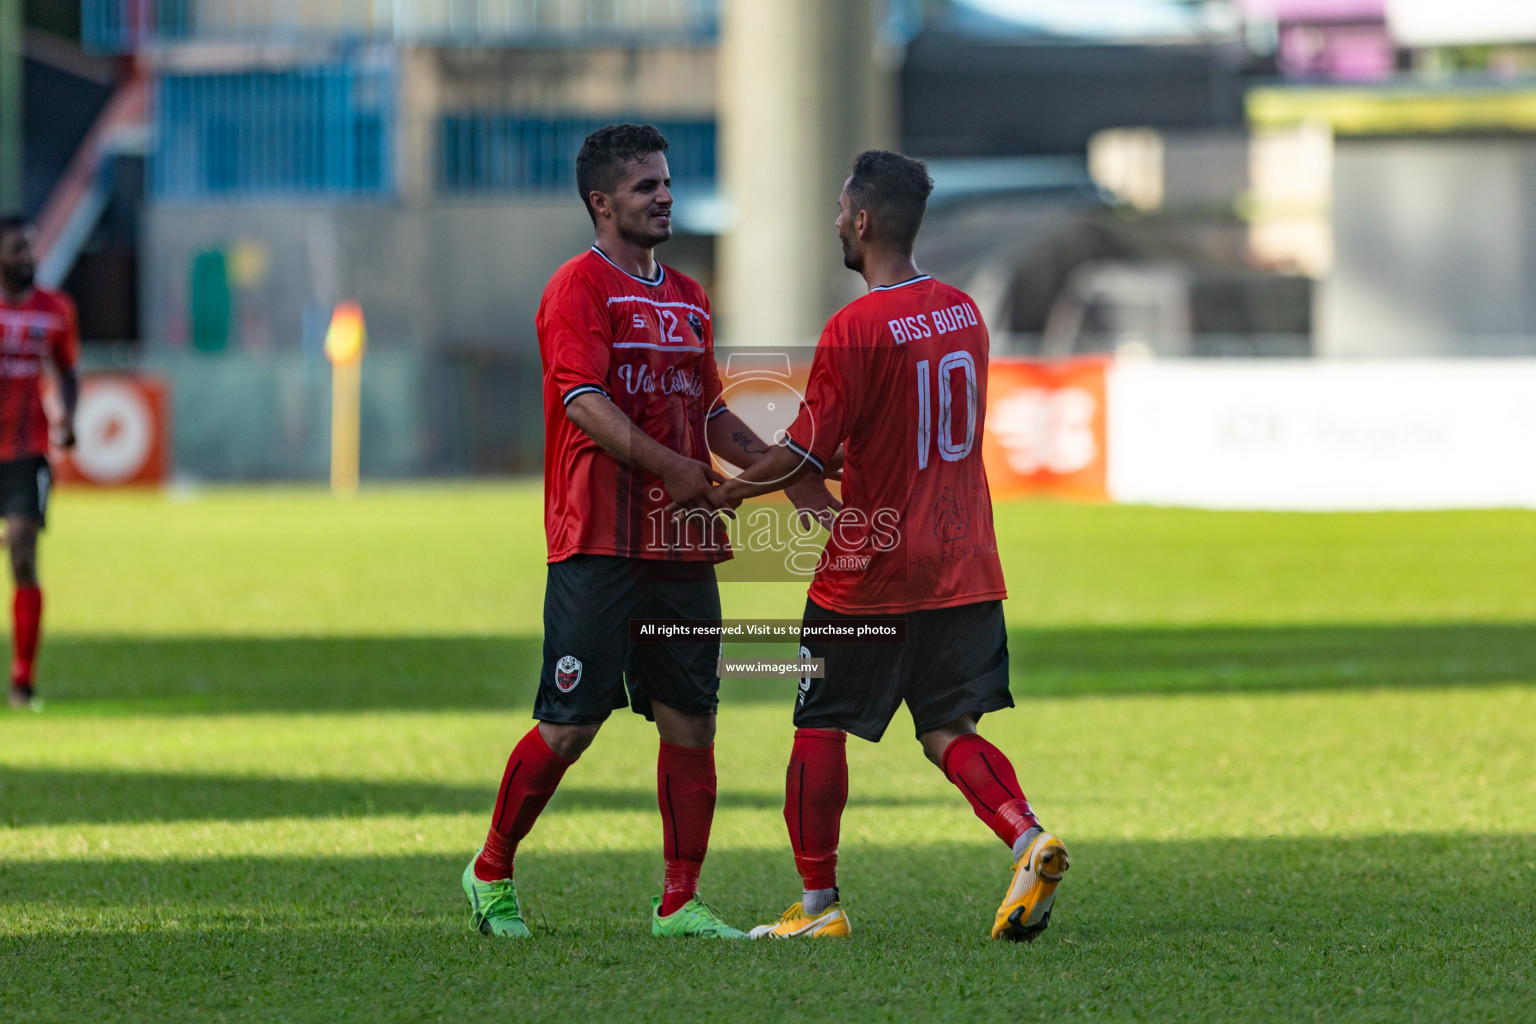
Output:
x=1066 y=662
x=1402 y=927
x=201 y=675
x=32 y=796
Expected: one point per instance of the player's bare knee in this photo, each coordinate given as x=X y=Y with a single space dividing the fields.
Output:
x=682 y=728
x=568 y=742
x=24 y=569
x=699 y=732
x=22 y=542
x=936 y=741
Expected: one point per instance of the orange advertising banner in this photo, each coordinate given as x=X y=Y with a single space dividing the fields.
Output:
x=122 y=433
x=1046 y=429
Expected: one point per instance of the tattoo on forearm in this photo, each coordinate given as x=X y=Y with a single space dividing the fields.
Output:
x=748 y=443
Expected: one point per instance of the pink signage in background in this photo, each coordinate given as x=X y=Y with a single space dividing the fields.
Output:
x=1340 y=40
x=1347 y=53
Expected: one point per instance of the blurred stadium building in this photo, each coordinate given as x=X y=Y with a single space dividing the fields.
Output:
x=1212 y=178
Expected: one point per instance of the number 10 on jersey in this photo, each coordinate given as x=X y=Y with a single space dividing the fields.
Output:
x=950 y=449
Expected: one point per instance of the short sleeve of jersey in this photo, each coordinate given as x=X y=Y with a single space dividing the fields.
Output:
x=65 y=344
x=577 y=329
x=826 y=410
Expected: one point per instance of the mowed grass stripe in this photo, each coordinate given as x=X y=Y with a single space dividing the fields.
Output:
x=1290 y=754
x=1215 y=930
x=207 y=675
x=1351 y=763
x=468 y=561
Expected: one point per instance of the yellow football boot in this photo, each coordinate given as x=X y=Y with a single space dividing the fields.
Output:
x=831 y=923
x=1026 y=910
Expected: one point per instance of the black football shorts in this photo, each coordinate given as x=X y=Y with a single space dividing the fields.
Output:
x=590 y=665
x=954 y=661
x=24 y=487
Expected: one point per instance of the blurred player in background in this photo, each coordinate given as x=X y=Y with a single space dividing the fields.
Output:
x=630 y=389
x=36 y=325
x=900 y=381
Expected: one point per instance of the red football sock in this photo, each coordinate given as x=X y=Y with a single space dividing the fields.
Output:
x=26 y=622
x=984 y=774
x=815 y=792
x=685 y=792
x=533 y=772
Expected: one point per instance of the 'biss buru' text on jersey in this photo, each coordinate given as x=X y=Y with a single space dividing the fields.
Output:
x=938 y=321
x=900 y=379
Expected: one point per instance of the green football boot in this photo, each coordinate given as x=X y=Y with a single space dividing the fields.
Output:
x=694 y=919
x=493 y=905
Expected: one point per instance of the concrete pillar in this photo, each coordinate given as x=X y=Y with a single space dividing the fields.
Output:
x=804 y=88
x=416 y=125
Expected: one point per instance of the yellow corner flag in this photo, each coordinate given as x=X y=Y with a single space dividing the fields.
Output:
x=347 y=337
x=344 y=344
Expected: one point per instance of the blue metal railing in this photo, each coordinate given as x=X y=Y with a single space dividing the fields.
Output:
x=305 y=131
x=483 y=153
x=127 y=26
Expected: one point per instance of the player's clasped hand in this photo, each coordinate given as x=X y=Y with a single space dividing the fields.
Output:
x=692 y=485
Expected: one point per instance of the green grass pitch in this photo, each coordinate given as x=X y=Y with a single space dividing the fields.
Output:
x=1291 y=755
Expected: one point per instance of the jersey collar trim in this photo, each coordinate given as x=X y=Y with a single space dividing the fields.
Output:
x=902 y=284
x=661 y=271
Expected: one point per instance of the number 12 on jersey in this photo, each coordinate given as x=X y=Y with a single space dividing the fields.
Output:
x=949 y=450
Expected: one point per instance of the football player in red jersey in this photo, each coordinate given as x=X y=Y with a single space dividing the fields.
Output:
x=899 y=380
x=631 y=418
x=35 y=325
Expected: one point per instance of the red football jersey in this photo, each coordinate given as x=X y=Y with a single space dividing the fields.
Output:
x=42 y=324
x=900 y=380
x=649 y=347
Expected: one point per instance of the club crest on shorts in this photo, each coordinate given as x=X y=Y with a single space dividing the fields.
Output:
x=567 y=673
x=697 y=325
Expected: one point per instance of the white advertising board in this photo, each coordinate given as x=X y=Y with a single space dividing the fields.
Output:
x=1461 y=22
x=1320 y=435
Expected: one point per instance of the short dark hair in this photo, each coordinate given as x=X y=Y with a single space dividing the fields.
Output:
x=12 y=222
x=606 y=155
x=895 y=189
